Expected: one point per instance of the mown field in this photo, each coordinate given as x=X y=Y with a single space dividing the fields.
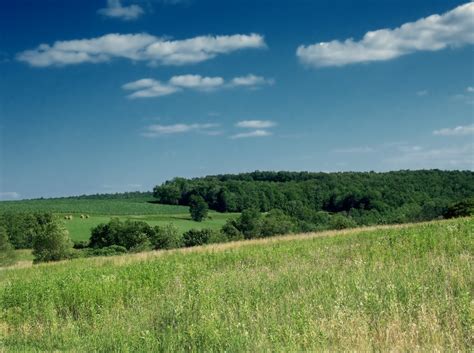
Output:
x=102 y=210
x=399 y=288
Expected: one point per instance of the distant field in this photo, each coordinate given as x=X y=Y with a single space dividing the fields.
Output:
x=79 y=229
x=139 y=206
x=399 y=288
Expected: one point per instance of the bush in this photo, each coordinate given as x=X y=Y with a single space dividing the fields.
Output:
x=276 y=223
x=107 y=251
x=20 y=228
x=196 y=237
x=198 y=208
x=7 y=253
x=230 y=230
x=80 y=244
x=132 y=235
x=167 y=237
x=463 y=208
x=51 y=242
x=339 y=221
x=249 y=223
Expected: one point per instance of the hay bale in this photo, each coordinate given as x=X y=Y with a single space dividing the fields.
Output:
x=82 y=216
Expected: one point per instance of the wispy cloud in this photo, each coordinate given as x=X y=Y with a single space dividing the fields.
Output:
x=157 y=130
x=436 y=32
x=148 y=87
x=459 y=157
x=9 y=195
x=358 y=149
x=422 y=93
x=255 y=124
x=456 y=131
x=254 y=133
x=115 y=9
x=138 y=47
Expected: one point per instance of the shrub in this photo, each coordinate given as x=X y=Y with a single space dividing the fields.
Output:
x=167 y=237
x=51 y=242
x=249 y=223
x=196 y=237
x=339 y=221
x=133 y=235
x=230 y=230
x=463 y=208
x=198 y=208
x=7 y=253
x=276 y=223
x=107 y=251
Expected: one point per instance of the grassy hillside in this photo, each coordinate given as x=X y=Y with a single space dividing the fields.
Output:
x=132 y=206
x=399 y=288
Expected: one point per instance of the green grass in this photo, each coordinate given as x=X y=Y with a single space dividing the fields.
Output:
x=400 y=288
x=138 y=206
x=80 y=229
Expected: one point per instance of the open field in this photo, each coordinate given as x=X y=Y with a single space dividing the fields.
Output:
x=80 y=229
x=137 y=206
x=386 y=288
x=102 y=210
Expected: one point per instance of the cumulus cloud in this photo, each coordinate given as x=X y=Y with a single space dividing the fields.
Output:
x=138 y=47
x=456 y=131
x=436 y=32
x=115 y=9
x=251 y=80
x=255 y=124
x=196 y=82
x=160 y=130
x=254 y=133
x=148 y=87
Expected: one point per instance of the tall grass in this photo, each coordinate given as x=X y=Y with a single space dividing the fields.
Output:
x=408 y=288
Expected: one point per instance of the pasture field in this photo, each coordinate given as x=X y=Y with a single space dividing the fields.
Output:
x=116 y=207
x=80 y=229
x=399 y=288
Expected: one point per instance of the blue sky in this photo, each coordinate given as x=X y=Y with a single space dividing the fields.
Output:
x=107 y=96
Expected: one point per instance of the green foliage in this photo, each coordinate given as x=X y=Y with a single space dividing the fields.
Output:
x=276 y=223
x=7 y=253
x=51 y=241
x=198 y=208
x=106 y=251
x=20 y=228
x=339 y=221
x=196 y=237
x=249 y=223
x=132 y=235
x=368 y=197
x=463 y=208
x=167 y=237
x=381 y=290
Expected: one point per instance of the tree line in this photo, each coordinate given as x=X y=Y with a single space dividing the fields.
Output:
x=312 y=198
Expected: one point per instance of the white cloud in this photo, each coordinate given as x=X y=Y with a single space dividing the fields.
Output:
x=196 y=82
x=9 y=195
x=456 y=131
x=255 y=124
x=115 y=9
x=148 y=87
x=160 y=130
x=454 y=157
x=363 y=149
x=422 y=93
x=251 y=80
x=255 y=133
x=156 y=89
x=436 y=32
x=138 y=47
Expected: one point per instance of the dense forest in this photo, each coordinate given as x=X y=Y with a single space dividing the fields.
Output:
x=362 y=197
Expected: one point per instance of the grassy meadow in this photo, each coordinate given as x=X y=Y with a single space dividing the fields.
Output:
x=400 y=288
x=102 y=210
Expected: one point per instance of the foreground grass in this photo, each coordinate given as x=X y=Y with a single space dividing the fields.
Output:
x=404 y=288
